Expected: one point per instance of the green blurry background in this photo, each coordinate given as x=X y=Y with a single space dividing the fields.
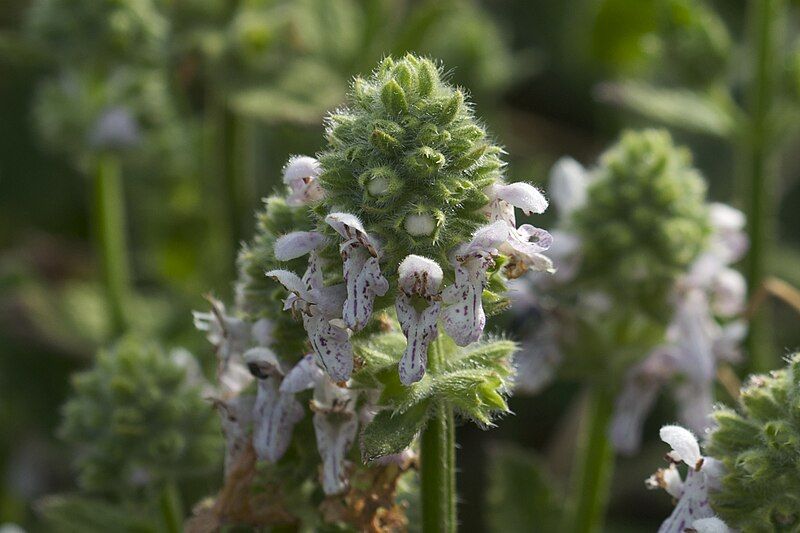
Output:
x=224 y=91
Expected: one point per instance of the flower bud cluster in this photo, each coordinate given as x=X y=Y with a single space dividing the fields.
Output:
x=138 y=417
x=759 y=445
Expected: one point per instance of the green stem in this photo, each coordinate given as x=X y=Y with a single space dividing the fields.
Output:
x=111 y=243
x=171 y=508
x=438 y=472
x=758 y=161
x=596 y=463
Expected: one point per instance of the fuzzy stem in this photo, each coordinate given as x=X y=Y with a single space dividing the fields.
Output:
x=171 y=508
x=594 y=471
x=757 y=166
x=110 y=241
x=438 y=487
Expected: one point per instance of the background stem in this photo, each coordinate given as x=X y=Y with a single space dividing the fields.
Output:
x=111 y=243
x=758 y=167
x=438 y=476
x=171 y=508
x=596 y=463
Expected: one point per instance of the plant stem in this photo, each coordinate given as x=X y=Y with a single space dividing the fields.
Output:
x=171 y=508
x=594 y=471
x=438 y=472
x=758 y=165
x=111 y=243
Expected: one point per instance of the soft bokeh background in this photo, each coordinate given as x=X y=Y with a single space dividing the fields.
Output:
x=240 y=86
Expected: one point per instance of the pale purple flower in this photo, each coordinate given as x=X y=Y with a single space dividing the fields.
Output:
x=237 y=415
x=300 y=175
x=115 y=129
x=361 y=269
x=692 y=492
x=526 y=243
x=569 y=184
x=231 y=336
x=319 y=306
x=274 y=417
x=422 y=277
x=335 y=420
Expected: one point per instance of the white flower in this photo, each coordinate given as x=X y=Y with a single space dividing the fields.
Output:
x=569 y=183
x=464 y=318
x=335 y=420
x=361 y=269
x=526 y=243
x=692 y=492
x=231 y=336
x=236 y=414
x=319 y=306
x=300 y=174
x=422 y=277
x=710 y=525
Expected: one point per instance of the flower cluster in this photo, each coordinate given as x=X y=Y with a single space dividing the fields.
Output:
x=644 y=294
x=138 y=418
x=412 y=239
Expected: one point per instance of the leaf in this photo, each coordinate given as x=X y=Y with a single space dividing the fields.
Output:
x=520 y=497
x=78 y=514
x=712 y=114
x=391 y=433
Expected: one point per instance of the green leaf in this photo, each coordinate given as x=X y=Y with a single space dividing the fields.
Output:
x=712 y=114
x=390 y=433
x=520 y=497
x=77 y=514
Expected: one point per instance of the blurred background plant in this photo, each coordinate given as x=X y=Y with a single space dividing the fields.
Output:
x=184 y=111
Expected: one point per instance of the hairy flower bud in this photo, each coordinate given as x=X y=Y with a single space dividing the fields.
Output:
x=646 y=221
x=759 y=445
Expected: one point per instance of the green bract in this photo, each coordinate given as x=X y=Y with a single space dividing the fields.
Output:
x=759 y=444
x=645 y=221
x=137 y=418
x=408 y=157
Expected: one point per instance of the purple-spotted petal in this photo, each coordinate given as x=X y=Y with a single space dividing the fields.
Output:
x=274 y=417
x=420 y=329
x=262 y=362
x=419 y=275
x=490 y=237
x=349 y=227
x=294 y=284
x=364 y=281
x=464 y=318
x=297 y=244
x=300 y=174
x=331 y=344
x=692 y=505
x=522 y=195
x=236 y=415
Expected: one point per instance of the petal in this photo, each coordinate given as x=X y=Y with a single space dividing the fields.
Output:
x=275 y=416
x=419 y=275
x=262 y=330
x=710 y=525
x=668 y=479
x=292 y=283
x=331 y=345
x=522 y=195
x=464 y=318
x=364 y=281
x=630 y=411
x=694 y=330
x=297 y=244
x=729 y=293
x=236 y=416
x=693 y=505
x=725 y=218
x=538 y=359
x=490 y=237
x=569 y=183
x=335 y=435
x=695 y=404
x=303 y=376
x=420 y=329
x=350 y=228
x=300 y=167
x=683 y=443
x=262 y=363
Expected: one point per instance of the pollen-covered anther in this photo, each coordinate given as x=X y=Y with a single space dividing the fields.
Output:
x=422 y=277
